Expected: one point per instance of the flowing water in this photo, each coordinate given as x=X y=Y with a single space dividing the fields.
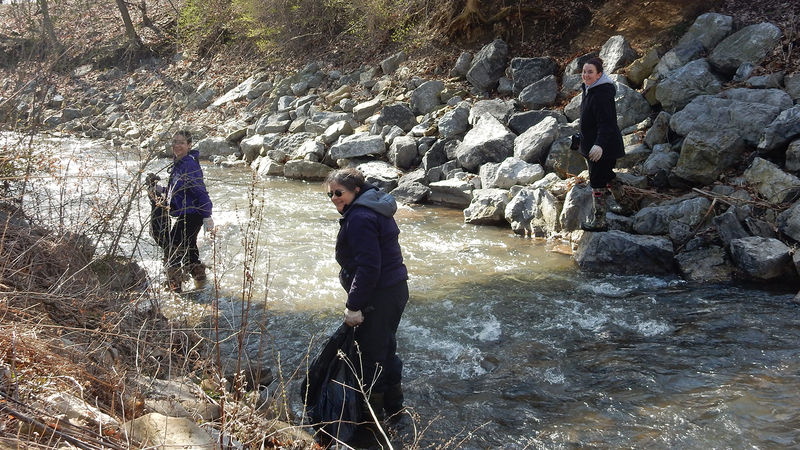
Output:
x=505 y=343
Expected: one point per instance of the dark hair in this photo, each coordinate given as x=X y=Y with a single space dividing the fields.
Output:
x=596 y=62
x=350 y=178
x=186 y=134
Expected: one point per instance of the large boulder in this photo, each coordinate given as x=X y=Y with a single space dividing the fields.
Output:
x=533 y=212
x=511 y=172
x=526 y=71
x=540 y=93
x=656 y=220
x=365 y=109
x=497 y=108
x=708 y=113
x=487 y=141
x=488 y=66
x=686 y=83
x=773 y=97
x=453 y=192
x=301 y=169
x=319 y=121
x=772 y=183
x=619 y=252
x=522 y=121
x=356 y=145
x=748 y=45
x=761 y=258
x=399 y=114
x=487 y=207
x=455 y=122
x=241 y=91
x=411 y=192
x=403 y=152
x=781 y=131
x=577 y=207
x=616 y=53
x=706 y=155
x=215 y=146
x=705 y=265
x=533 y=145
x=708 y=29
x=425 y=98
x=381 y=174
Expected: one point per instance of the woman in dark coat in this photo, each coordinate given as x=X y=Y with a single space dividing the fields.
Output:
x=375 y=278
x=601 y=140
x=191 y=206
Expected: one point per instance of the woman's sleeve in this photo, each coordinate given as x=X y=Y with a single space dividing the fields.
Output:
x=199 y=191
x=606 y=118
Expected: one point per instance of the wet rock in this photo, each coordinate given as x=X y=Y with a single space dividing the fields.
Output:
x=705 y=265
x=619 y=252
x=487 y=207
x=761 y=258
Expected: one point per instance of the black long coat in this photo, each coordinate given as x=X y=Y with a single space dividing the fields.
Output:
x=599 y=122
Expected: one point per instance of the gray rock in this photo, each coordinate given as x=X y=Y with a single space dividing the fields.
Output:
x=576 y=65
x=704 y=156
x=533 y=212
x=577 y=207
x=789 y=222
x=403 y=152
x=770 y=81
x=564 y=161
x=748 y=45
x=744 y=72
x=269 y=167
x=659 y=132
x=425 y=98
x=392 y=63
x=655 y=220
x=336 y=130
x=497 y=108
x=791 y=83
x=512 y=171
x=68 y=114
x=616 y=53
x=709 y=29
x=241 y=91
x=705 y=265
x=619 y=252
x=526 y=71
x=540 y=93
x=641 y=68
x=319 y=121
x=301 y=169
x=452 y=192
x=381 y=174
x=455 y=122
x=793 y=156
x=289 y=143
x=781 y=131
x=462 y=65
x=251 y=147
x=661 y=160
x=686 y=83
x=774 y=97
x=532 y=145
x=311 y=150
x=758 y=227
x=487 y=207
x=488 y=66
x=710 y=114
x=677 y=57
x=570 y=84
x=505 y=87
x=634 y=155
x=487 y=141
x=411 y=192
x=214 y=146
x=365 y=109
x=398 y=114
x=360 y=144
x=761 y=258
x=772 y=183
x=729 y=227
x=435 y=156
x=522 y=121
x=390 y=133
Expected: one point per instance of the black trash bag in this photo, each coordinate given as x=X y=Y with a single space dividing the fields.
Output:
x=159 y=215
x=333 y=400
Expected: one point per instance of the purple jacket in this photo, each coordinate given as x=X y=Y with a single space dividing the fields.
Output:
x=367 y=247
x=186 y=191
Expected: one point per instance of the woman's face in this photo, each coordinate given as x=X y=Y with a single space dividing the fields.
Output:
x=590 y=74
x=340 y=196
x=180 y=147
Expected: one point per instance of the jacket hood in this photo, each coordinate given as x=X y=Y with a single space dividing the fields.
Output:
x=372 y=198
x=602 y=80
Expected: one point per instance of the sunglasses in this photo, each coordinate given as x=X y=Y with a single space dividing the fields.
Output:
x=337 y=193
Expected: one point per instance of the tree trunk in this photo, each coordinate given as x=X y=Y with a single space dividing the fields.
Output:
x=47 y=24
x=126 y=19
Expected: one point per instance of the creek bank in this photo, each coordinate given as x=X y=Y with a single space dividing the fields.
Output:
x=711 y=141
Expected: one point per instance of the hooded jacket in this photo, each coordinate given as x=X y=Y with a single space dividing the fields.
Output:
x=367 y=247
x=599 y=119
x=187 y=192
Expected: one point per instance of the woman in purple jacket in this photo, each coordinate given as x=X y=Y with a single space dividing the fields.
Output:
x=190 y=205
x=375 y=278
x=601 y=141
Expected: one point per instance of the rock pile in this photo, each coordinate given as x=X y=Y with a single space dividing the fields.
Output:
x=692 y=119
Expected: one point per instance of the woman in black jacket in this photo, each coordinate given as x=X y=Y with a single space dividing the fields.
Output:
x=601 y=140
x=374 y=276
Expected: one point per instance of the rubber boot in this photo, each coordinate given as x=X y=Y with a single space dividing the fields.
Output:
x=198 y=273
x=174 y=279
x=613 y=189
x=598 y=220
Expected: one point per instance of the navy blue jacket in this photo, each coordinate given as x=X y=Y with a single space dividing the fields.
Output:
x=599 y=119
x=367 y=247
x=186 y=190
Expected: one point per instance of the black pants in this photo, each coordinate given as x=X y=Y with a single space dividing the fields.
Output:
x=183 y=241
x=376 y=337
x=601 y=172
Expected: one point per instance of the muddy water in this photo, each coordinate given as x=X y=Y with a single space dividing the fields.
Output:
x=506 y=344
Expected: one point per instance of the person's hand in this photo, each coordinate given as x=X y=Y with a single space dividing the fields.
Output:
x=208 y=225
x=353 y=318
x=596 y=153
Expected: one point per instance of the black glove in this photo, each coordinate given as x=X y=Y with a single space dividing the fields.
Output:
x=576 y=142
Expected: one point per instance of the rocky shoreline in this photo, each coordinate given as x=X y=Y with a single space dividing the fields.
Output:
x=709 y=172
